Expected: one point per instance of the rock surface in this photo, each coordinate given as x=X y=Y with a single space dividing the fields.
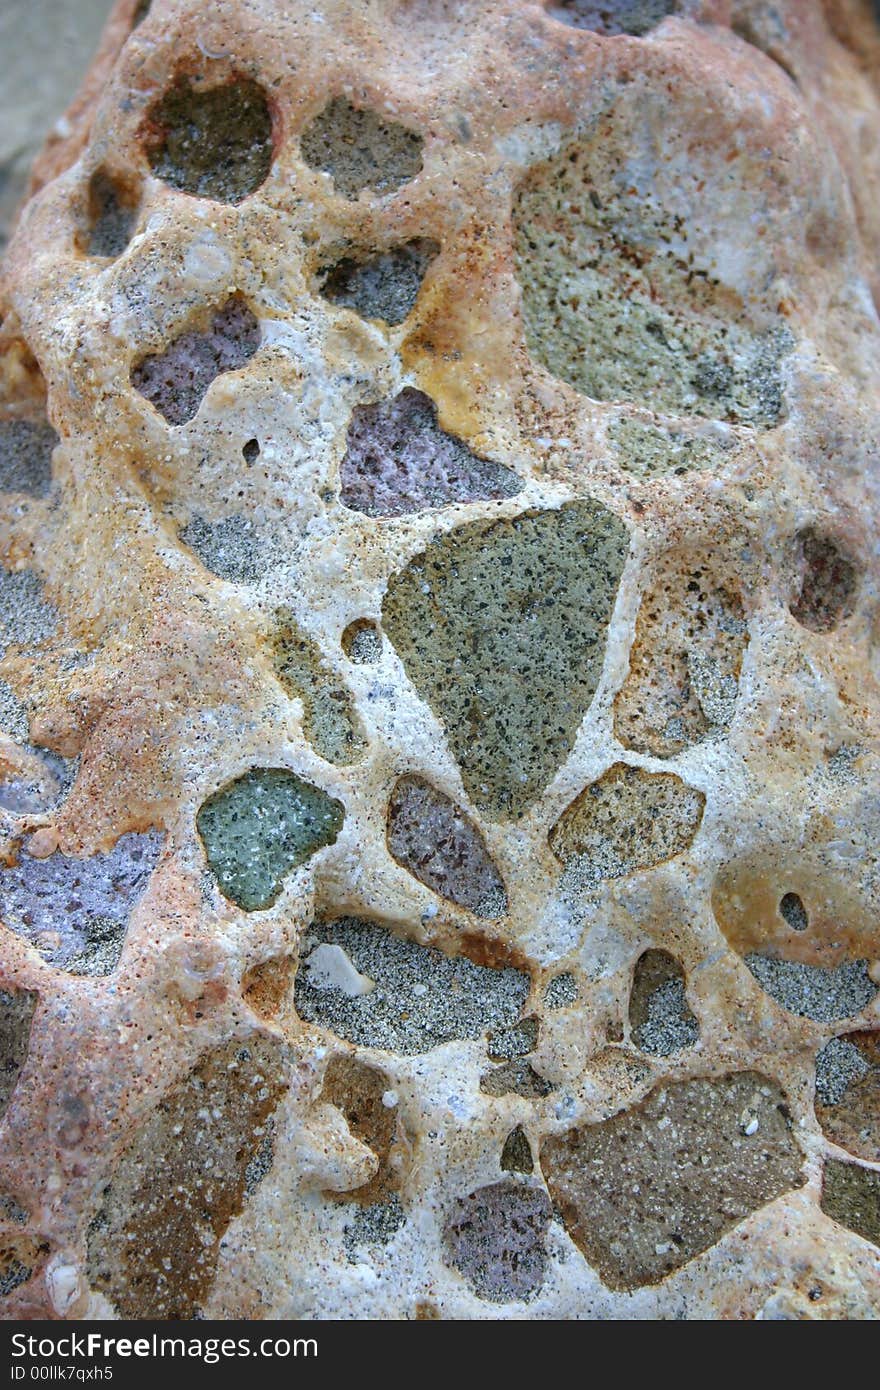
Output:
x=440 y=718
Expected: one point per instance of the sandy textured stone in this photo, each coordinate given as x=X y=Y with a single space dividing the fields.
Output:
x=438 y=698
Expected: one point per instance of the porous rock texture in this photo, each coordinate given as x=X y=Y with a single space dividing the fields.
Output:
x=438 y=609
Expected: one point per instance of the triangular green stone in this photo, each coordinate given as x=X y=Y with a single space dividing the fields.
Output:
x=501 y=626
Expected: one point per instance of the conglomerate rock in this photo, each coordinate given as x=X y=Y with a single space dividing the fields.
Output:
x=438 y=610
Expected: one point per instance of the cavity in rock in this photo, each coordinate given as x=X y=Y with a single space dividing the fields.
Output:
x=792 y=910
x=515 y=1078
x=155 y=1241
x=647 y=1190
x=359 y=149
x=112 y=213
x=358 y=1091
x=362 y=642
x=561 y=991
x=175 y=381
x=16 y=1015
x=26 y=456
x=615 y=303
x=330 y=721
x=828 y=582
x=635 y=17
x=516 y=1156
x=214 y=143
x=851 y=1196
x=823 y=993
x=232 y=548
x=26 y=619
x=421 y=998
x=495 y=1238
x=376 y=1224
x=848 y=1093
x=685 y=663
x=399 y=460
x=628 y=820
x=660 y=1017
x=385 y=286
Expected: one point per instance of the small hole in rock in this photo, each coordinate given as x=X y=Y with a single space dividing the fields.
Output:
x=16 y=1015
x=851 y=1197
x=362 y=641
x=848 y=1093
x=251 y=451
x=375 y=1224
x=659 y=1014
x=265 y=986
x=828 y=582
x=330 y=720
x=517 y=1040
x=515 y=1078
x=561 y=991
x=19 y=1257
x=26 y=448
x=792 y=909
x=112 y=215
x=359 y=1092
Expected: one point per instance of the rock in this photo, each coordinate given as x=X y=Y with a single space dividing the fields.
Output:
x=438 y=564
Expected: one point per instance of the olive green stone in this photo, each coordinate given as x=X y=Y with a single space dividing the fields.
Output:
x=616 y=303
x=329 y=719
x=259 y=827
x=851 y=1196
x=501 y=626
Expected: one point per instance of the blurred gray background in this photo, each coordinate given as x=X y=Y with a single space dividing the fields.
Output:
x=45 y=49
